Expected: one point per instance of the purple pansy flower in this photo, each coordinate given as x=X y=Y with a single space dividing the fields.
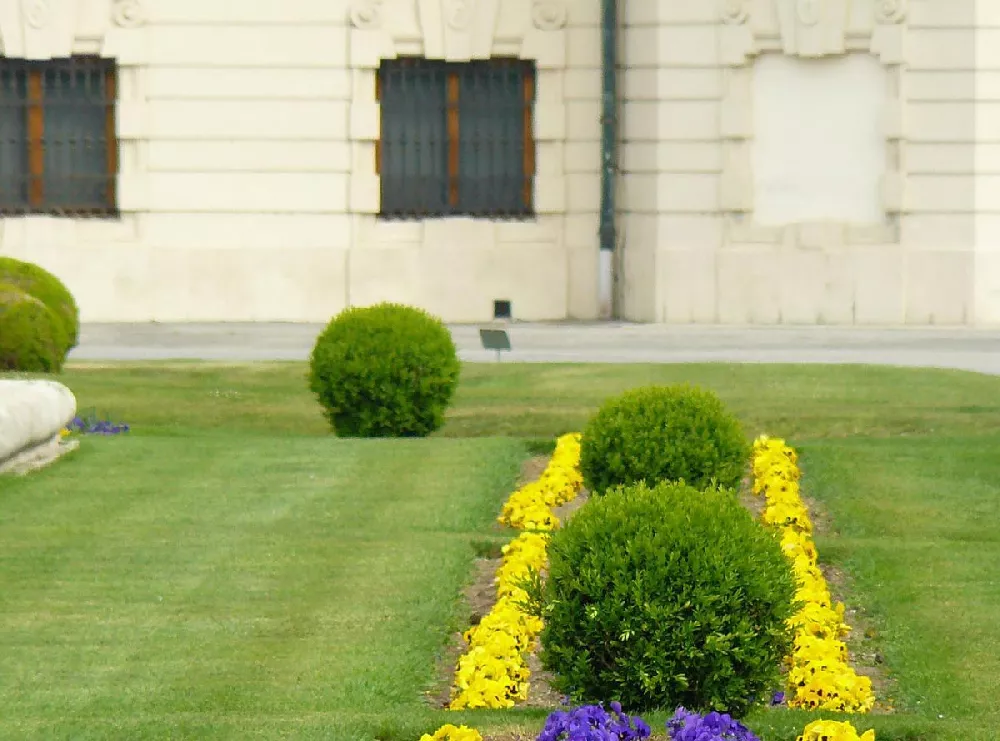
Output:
x=688 y=726
x=91 y=424
x=594 y=723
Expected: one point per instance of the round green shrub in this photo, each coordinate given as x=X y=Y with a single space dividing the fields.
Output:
x=666 y=596
x=29 y=333
x=48 y=289
x=663 y=433
x=384 y=371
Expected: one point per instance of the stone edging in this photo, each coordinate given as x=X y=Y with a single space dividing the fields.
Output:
x=33 y=414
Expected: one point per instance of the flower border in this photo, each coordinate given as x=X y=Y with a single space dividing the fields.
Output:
x=494 y=672
x=819 y=675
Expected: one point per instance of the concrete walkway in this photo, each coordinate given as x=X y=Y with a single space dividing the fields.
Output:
x=977 y=350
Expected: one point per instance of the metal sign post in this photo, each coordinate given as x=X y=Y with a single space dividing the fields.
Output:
x=495 y=339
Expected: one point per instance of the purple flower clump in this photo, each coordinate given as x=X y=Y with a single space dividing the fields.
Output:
x=92 y=425
x=778 y=699
x=688 y=726
x=593 y=723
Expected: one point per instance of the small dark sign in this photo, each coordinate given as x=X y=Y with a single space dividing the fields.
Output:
x=495 y=339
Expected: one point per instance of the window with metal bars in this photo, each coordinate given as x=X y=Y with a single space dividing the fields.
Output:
x=457 y=138
x=58 y=148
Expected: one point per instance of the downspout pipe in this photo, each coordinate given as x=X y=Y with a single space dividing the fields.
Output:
x=609 y=158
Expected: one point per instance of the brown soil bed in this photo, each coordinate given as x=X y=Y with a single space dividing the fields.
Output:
x=478 y=599
x=861 y=641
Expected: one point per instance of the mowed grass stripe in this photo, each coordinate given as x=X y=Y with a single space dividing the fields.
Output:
x=151 y=577
x=545 y=400
x=918 y=527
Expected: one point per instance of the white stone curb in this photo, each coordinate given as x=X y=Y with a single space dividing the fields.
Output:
x=32 y=416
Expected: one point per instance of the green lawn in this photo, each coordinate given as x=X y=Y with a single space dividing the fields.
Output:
x=916 y=524
x=536 y=400
x=308 y=583
x=236 y=587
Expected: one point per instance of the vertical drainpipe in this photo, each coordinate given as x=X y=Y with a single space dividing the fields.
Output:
x=609 y=142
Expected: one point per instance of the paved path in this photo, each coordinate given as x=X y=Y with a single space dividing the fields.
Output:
x=977 y=350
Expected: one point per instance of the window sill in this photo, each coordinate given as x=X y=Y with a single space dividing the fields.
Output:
x=515 y=219
x=81 y=215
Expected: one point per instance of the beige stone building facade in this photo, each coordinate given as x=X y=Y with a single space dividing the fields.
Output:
x=770 y=161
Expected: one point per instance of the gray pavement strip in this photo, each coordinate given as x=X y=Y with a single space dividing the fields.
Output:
x=959 y=348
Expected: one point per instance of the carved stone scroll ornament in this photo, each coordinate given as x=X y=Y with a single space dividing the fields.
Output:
x=366 y=14
x=734 y=11
x=128 y=13
x=37 y=13
x=809 y=12
x=549 y=15
x=460 y=13
x=890 y=11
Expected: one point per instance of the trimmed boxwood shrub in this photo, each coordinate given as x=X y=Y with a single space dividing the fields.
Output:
x=664 y=597
x=48 y=289
x=663 y=433
x=30 y=333
x=384 y=371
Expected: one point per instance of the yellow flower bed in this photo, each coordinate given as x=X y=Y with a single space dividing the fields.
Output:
x=494 y=673
x=819 y=675
x=530 y=507
x=832 y=730
x=454 y=733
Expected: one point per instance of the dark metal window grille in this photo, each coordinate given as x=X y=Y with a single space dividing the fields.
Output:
x=58 y=148
x=457 y=138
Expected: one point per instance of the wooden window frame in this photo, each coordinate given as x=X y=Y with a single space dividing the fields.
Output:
x=34 y=106
x=453 y=129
